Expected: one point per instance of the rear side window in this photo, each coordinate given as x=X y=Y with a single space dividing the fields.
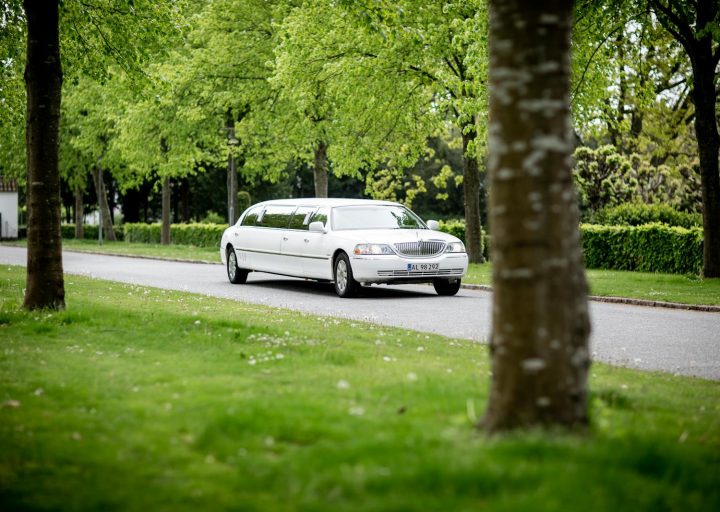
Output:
x=276 y=216
x=252 y=216
x=301 y=217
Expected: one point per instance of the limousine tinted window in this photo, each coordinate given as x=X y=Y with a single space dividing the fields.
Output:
x=320 y=216
x=276 y=216
x=301 y=217
x=251 y=218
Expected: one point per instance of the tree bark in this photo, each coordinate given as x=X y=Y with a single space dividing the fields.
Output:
x=232 y=191
x=539 y=339
x=471 y=190
x=165 y=228
x=708 y=141
x=79 y=214
x=320 y=171
x=101 y=193
x=45 y=287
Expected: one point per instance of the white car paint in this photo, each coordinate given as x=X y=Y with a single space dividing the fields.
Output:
x=295 y=250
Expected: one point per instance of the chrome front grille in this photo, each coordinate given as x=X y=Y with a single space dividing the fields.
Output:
x=420 y=248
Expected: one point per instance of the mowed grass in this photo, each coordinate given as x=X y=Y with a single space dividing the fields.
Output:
x=137 y=398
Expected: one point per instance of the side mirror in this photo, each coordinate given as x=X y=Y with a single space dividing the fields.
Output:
x=434 y=225
x=317 y=227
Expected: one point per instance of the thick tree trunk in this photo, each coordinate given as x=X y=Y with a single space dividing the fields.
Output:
x=101 y=193
x=471 y=189
x=320 y=171
x=79 y=214
x=708 y=140
x=539 y=340
x=45 y=287
x=165 y=228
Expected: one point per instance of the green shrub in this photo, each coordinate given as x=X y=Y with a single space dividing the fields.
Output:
x=637 y=214
x=456 y=227
x=90 y=231
x=200 y=235
x=649 y=248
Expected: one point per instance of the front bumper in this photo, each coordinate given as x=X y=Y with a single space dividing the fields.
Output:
x=396 y=269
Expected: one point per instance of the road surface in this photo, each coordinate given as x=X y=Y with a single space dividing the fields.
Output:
x=675 y=341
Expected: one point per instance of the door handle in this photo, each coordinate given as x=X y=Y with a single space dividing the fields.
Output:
x=285 y=238
x=235 y=233
x=307 y=240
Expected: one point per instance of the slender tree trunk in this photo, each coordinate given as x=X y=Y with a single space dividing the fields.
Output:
x=45 y=286
x=539 y=340
x=185 y=200
x=708 y=140
x=101 y=193
x=471 y=189
x=320 y=172
x=232 y=191
x=165 y=229
x=79 y=214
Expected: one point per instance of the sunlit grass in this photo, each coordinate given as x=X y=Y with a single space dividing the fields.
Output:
x=139 y=398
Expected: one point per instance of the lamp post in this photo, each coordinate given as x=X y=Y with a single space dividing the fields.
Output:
x=232 y=179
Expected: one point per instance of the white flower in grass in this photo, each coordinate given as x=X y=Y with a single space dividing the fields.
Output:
x=412 y=376
x=421 y=349
x=343 y=384
x=356 y=411
x=197 y=322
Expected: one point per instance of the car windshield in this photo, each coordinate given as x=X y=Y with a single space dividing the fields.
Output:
x=375 y=217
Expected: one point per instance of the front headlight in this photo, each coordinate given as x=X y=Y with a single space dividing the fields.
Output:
x=455 y=247
x=374 y=249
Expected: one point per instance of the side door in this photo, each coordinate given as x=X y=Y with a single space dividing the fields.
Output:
x=295 y=240
x=272 y=227
x=244 y=237
x=318 y=249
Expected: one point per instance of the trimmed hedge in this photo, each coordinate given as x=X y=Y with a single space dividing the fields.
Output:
x=67 y=231
x=200 y=235
x=649 y=248
x=456 y=227
x=638 y=214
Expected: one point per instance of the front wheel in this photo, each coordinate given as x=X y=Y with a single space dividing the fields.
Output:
x=345 y=284
x=446 y=287
x=235 y=274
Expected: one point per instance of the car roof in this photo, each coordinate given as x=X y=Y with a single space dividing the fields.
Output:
x=331 y=202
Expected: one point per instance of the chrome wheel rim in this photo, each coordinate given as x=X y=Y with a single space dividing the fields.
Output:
x=232 y=265
x=341 y=275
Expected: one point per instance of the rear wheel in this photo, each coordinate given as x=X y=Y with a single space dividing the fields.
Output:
x=236 y=275
x=446 y=287
x=345 y=284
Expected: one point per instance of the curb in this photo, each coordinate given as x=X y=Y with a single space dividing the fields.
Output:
x=625 y=300
x=481 y=287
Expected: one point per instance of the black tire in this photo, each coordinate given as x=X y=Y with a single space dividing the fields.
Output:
x=236 y=275
x=446 y=287
x=345 y=284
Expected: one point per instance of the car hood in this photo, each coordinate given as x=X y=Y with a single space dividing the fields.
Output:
x=394 y=236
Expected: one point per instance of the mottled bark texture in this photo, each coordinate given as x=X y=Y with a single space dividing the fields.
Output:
x=101 y=192
x=539 y=340
x=166 y=211
x=232 y=176
x=320 y=172
x=43 y=82
x=471 y=189
x=79 y=213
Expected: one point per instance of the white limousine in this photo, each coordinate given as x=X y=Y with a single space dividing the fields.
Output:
x=351 y=242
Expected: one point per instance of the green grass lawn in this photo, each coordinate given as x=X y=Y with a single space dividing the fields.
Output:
x=137 y=398
x=639 y=285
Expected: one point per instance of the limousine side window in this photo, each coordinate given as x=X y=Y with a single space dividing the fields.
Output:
x=252 y=216
x=276 y=216
x=301 y=217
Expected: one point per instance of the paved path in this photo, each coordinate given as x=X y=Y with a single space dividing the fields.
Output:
x=676 y=341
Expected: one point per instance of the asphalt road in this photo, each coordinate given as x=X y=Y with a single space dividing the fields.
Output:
x=675 y=341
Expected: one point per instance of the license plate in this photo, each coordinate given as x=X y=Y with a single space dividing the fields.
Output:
x=422 y=267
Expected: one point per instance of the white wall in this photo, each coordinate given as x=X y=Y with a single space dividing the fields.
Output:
x=9 y=211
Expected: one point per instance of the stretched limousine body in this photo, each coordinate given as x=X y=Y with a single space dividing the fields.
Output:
x=351 y=242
